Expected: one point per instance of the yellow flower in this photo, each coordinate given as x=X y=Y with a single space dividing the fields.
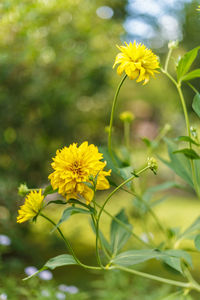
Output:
x=74 y=167
x=127 y=116
x=136 y=61
x=198 y=8
x=31 y=206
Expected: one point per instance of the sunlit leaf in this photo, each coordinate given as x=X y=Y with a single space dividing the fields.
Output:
x=196 y=104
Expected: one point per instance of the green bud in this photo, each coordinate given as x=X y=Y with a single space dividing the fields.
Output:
x=173 y=44
x=23 y=189
x=127 y=116
x=152 y=164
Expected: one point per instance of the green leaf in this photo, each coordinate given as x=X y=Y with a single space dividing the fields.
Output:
x=196 y=104
x=58 y=261
x=191 y=75
x=118 y=234
x=191 y=229
x=126 y=173
x=75 y=201
x=70 y=211
x=133 y=257
x=186 y=62
x=57 y=202
x=178 y=163
x=187 y=139
x=173 y=258
x=173 y=296
x=190 y=153
x=49 y=190
x=197 y=242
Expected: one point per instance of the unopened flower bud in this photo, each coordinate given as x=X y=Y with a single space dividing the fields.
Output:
x=23 y=189
x=127 y=116
x=153 y=165
x=173 y=45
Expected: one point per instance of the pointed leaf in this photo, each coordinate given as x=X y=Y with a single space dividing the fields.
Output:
x=196 y=104
x=191 y=229
x=178 y=163
x=191 y=75
x=190 y=153
x=58 y=261
x=197 y=242
x=187 y=139
x=133 y=257
x=118 y=234
x=70 y=211
x=186 y=62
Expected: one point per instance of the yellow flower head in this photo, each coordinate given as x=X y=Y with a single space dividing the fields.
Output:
x=198 y=8
x=74 y=166
x=136 y=61
x=127 y=116
x=31 y=206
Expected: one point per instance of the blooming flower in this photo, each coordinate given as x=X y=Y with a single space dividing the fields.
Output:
x=137 y=61
x=31 y=207
x=75 y=167
x=4 y=240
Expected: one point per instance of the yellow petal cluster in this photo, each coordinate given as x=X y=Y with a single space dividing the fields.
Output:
x=73 y=168
x=31 y=206
x=136 y=61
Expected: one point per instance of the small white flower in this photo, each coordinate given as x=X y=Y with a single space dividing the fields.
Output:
x=71 y=289
x=3 y=296
x=5 y=240
x=30 y=270
x=63 y=287
x=60 y=296
x=45 y=293
x=45 y=275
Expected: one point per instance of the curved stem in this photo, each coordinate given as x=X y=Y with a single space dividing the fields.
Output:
x=167 y=59
x=124 y=226
x=189 y=285
x=108 y=198
x=112 y=116
x=193 y=88
x=69 y=247
x=178 y=87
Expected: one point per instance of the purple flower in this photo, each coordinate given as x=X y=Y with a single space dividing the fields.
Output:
x=45 y=275
x=60 y=296
x=30 y=270
x=5 y=240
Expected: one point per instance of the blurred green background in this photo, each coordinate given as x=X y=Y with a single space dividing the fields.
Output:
x=56 y=87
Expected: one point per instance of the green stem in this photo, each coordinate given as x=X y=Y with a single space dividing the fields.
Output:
x=124 y=226
x=127 y=134
x=167 y=59
x=112 y=116
x=69 y=247
x=193 y=88
x=178 y=87
x=187 y=285
x=108 y=198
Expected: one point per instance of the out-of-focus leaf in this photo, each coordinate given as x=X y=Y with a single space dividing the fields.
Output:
x=185 y=62
x=178 y=162
x=187 y=139
x=118 y=234
x=190 y=153
x=196 y=104
x=191 y=229
x=197 y=241
x=191 y=75
x=60 y=202
x=58 y=261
